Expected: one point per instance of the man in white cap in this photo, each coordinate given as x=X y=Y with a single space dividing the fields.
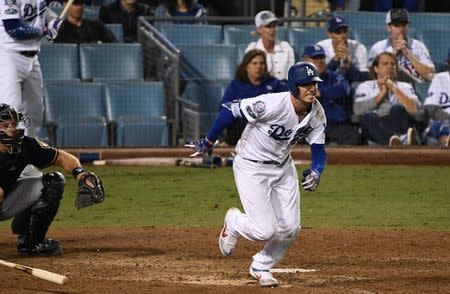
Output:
x=412 y=55
x=279 y=54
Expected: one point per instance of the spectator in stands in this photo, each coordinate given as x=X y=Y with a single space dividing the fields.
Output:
x=437 y=104
x=279 y=54
x=347 y=57
x=125 y=12
x=386 y=106
x=412 y=55
x=77 y=29
x=335 y=96
x=251 y=79
x=179 y=8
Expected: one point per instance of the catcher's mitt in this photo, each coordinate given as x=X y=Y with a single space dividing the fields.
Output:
x=90 y=191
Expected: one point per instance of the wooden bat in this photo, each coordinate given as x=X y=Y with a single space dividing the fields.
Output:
x=63 y=13
x=39 y=273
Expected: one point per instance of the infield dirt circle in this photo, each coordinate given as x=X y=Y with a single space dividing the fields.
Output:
x=187 y=260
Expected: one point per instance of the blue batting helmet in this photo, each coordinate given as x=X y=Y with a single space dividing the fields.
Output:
x=302 y=73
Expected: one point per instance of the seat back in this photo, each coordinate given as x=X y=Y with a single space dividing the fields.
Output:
x=117 y=30
x=111 y=61
x=92 y=12
x=302 y=36
x=213 y=62
x=437 y=43
x=59 y=61
x=192 y=34
x=244 y=34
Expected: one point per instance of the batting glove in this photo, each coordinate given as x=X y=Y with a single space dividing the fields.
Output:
x=52 y=28
x=201 y=146
x=310 y=180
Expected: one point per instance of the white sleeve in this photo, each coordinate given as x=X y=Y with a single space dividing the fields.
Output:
x=409 y=91
x=257 y=108
x=373 y=52
x=9 y=9
x=424 y=55
x=318 y=123
x=50 y=14
x=250 y=46
x=361 y=57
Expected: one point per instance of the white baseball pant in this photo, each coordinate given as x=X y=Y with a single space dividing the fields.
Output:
x=270 y=196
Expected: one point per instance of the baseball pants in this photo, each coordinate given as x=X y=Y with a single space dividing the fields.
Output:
x=271 y=199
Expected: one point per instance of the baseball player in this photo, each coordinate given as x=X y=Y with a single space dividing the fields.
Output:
x=264 y=171
x=23 y=24
x=437 y=104
x=32 y=201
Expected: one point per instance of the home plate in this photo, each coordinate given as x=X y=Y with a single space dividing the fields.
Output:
x=292 y=270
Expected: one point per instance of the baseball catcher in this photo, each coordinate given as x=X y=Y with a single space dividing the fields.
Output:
x=34 y=201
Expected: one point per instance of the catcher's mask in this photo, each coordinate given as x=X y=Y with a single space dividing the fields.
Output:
x=12 y=128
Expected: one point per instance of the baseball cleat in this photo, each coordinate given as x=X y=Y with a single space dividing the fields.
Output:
x=395 y=141
x=227 y=241
x=49 y=247
x=264 y=277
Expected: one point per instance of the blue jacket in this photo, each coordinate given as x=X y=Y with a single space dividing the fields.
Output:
x=335 y=97
x=239 y=90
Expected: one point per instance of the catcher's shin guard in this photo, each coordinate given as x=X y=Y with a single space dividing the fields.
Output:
x=41 y=214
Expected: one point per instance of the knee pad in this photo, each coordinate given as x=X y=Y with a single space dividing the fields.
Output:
x=53 y=190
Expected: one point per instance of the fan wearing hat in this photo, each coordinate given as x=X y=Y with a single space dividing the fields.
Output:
x=412 y=55
x=334 y=93
x=77 y=29
x=437 y=104
x=279 y=54
x=347 y=57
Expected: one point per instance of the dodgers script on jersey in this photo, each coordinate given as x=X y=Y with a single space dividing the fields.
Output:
x=273 y=127
x=439 y=91
x=30 y=12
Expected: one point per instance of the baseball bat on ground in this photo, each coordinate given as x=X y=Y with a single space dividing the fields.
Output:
x=39 y=273
x=63 y=13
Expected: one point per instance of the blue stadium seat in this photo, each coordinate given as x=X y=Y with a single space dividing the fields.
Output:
x=92 y=12
x=369 y=36
x=213 y=62
x=301 y=36
x=117 y=30
x=422 y=90
x=59 y=61
x=240 y=52
x=242 y=34
x=75 y=112
x=136 y=112
x=208 y=95
x=102 y=2
x=430 y=21
x=111 y=61
x=363 y=19
x=187 y=34
x=437 y=43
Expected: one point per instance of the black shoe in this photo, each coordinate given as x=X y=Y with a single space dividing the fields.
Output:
x=47 y=248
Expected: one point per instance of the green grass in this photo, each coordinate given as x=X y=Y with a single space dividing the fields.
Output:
x=401 y=197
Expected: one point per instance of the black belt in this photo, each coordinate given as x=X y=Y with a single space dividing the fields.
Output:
x=272 y=162
x=28 y=53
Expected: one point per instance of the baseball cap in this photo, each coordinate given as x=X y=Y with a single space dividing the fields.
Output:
x=335 y=23
x=397 y=15
x=313 y=51
x=264 y=18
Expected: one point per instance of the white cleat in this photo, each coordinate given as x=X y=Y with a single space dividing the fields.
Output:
x=227 y=242
x=264 y=277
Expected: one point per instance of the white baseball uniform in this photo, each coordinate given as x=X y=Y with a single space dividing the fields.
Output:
x=269 y=191
x=279 y=61
x=417 y=48
x=439 y=91
x=20 y=76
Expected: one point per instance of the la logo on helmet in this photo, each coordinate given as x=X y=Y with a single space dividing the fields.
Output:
x=309 y=71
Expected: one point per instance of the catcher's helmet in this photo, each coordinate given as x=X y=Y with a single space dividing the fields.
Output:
x=302 y=73
x=13 y=140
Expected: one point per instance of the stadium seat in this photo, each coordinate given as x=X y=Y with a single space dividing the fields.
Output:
x=363 y=19
x=430 y=21
x=187 y=34
x=136 y=112
x=422 y=90
x=208 y=95
x=102 y=2
x=92 y=12
x=301 y=36
x=437 y=43
x=242 y=34
x=59 y=61
x=369 y=36
x=111 y=62
x=213 y=62
x=117 y=30
x=75 y=114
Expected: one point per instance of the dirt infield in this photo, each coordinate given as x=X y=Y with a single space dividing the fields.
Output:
x=187 y=260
